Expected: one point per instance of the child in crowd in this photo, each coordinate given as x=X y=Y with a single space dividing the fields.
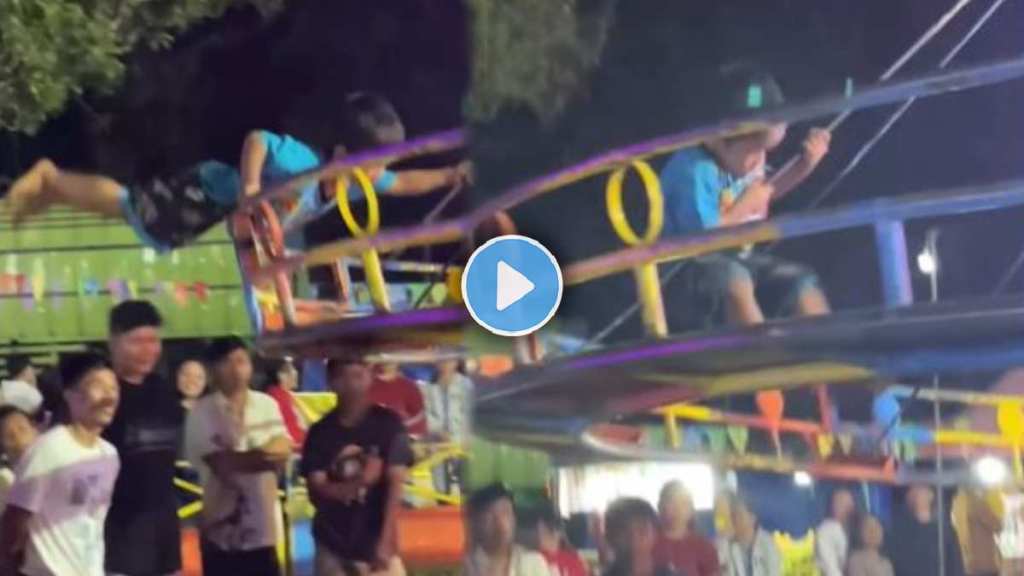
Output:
x=170 y=212
x=17 y=433
x=21 y=388
x=869 y=560
x=282 y=379
x=722 y=183
x=492 y=549
x=190 y=379
x=679 y=544
x=53 y=523
x=752 y=550
x=631 y=531
x=236 y=438
x=550 y=541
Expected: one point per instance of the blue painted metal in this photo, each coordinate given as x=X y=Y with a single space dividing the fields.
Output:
x=892 y=263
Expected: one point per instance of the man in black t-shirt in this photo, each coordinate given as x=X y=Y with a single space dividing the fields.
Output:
x=143 y=537
x=355 y=461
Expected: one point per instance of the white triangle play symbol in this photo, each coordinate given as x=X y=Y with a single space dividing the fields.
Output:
x=512 y=285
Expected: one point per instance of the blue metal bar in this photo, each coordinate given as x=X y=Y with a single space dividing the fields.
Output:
x=892 y=263
x=964 y=200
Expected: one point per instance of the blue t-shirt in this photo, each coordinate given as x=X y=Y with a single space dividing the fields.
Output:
x=697 y=191
x=286 y=157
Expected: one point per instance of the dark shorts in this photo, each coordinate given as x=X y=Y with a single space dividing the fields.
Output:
x=168 y=213
x=258 y=562
x=695 y=297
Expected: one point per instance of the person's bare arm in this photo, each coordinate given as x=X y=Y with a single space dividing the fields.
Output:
x=13 y=539
x=388 y=545
x=419 y=182
x=752 y=205
x=250 y=166
x=269 y=457
x=321 y=489
x=814 y=149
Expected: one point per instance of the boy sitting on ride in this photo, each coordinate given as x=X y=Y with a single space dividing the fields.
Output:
x=722 y=183
x=168 y=213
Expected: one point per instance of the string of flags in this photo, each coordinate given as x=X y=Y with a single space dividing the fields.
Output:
x=33 y=290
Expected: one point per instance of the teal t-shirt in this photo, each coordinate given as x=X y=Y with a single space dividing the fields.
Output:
x=286 y=157
x=697 y=191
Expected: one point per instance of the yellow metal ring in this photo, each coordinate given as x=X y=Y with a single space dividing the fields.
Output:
x=372 y=206
x=655 y=204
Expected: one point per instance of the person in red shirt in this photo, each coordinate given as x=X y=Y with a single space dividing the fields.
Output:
x=392 y=390
x=282 y=380
x=550 y=541
x=679 y=545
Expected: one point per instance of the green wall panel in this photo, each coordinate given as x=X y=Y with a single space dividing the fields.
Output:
x=68 y=254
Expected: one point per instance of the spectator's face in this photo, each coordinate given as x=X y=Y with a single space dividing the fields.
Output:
x=234 y=371
x=548 y=539
x=387 y=371
x=641 y=538
x=744 y=523
x=676 y=509
x=288 y=376
x=16 y=434
x=27 y=375
x=446 y=369
x=842 y=505
x=497 y=525
x=93 y=401
x=919 y=500
x=351 y=382
x=136 y=352
x=191 y=379
x=871 y=533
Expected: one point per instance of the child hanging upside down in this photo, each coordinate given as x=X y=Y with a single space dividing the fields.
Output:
x=171 y=212
x=722 y=183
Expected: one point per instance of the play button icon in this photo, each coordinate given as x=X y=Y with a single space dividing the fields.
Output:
x=512 y=285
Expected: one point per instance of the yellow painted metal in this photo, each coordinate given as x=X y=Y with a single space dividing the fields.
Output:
x=675 y=439
x=371 y=258
x=648 y=284
x=655 y=204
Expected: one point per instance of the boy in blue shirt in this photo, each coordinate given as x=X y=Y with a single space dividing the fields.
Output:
x=722 y=183
x=168 y=213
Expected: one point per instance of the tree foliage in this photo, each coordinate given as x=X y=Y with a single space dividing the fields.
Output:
x=54 y=50
x=533 y=53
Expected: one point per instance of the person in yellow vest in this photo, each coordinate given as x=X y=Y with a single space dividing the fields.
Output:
x=978 y=518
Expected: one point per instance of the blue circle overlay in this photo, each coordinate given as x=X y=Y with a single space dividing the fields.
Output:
x=530 y=259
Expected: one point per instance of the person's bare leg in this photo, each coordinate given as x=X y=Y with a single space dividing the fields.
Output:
x=45 y=185
x=812 y=302
x=741 y=305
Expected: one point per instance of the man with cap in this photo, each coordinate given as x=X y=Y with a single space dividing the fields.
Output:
x=142 y=532
x=20 y=389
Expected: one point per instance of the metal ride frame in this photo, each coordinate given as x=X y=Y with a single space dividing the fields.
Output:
x=529 y=405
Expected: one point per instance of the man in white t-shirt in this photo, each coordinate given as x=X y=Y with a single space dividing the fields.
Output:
x=831 y=540
x=237 y=440
x=53 y=523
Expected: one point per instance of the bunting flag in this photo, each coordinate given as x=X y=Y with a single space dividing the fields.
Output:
x=57 y=296
x=181 y=295
x=692 y=438
x=38 y=287
x=716 y=438
x=738 y=437
x=826 y=444
x=846 y=443
x=133 y=289
x=910 y=451
x=202 y=291
x=91 y=287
